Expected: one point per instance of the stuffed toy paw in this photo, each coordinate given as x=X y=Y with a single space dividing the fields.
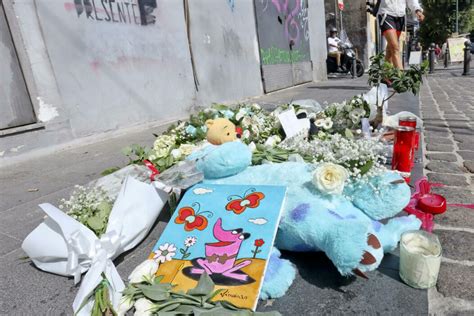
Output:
x=279 y=276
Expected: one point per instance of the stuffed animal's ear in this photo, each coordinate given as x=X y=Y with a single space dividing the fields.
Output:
x=209 y=123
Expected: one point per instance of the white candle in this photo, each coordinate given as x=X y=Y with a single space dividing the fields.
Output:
x=420 y=258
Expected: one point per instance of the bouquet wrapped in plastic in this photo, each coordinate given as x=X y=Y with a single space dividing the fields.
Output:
x=64 y=246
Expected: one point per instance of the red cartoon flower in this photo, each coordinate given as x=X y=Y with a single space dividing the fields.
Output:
x=239 y=205
x=258 y=243
x=191 y=220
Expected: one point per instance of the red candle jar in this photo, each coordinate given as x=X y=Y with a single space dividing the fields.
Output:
x=403 y=150
x=410 y=121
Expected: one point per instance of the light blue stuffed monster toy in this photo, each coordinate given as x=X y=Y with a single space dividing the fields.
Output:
x=349 y=232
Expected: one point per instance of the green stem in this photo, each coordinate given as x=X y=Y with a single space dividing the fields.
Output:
x=185 y=253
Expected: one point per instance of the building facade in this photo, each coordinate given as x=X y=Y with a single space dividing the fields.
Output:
x=79 y=68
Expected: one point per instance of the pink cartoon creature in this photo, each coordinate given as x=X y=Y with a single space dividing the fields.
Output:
x=222 y=255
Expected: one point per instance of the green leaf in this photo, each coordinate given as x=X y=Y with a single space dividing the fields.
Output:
x=154 y=292
x=210 y=296
x=181 y=250
x=96 y=223
x=104 y=209
x=204 y=286
x=109 y=171
x=365 y=168
x=158 y=279
x=348 y=134
x=186 y=255
x=127 y=151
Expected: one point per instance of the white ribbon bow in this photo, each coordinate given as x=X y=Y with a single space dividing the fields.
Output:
x=64 y=246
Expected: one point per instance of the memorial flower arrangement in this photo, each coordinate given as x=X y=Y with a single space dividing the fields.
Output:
x=261 y=130
x=89 y=206
x=342 y=117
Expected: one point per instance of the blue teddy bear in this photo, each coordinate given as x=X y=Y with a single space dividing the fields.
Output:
x=349 y=231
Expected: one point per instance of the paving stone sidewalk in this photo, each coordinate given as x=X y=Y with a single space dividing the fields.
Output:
x=447 y=109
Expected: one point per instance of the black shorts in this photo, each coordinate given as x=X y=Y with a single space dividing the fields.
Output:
x=388 y=22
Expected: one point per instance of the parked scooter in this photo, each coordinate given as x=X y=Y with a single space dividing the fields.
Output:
x=347 y=57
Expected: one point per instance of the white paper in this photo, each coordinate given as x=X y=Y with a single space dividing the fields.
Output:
x=64 y=246
x=291 y=124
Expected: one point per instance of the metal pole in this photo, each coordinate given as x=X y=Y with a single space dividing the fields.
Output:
x=342 y=27
x=457 y=16
x=446 y=56
x=354 y=67
x=467 y=58
x=431 y=57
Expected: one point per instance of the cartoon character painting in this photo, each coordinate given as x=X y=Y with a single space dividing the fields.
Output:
x=221 y=256
x=214 y=223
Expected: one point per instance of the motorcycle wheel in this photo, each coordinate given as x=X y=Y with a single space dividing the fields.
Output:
x=359 y=69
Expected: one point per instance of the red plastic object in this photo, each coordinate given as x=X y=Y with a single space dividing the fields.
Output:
x=422 y=189
x=154 y=171
x=432 y=203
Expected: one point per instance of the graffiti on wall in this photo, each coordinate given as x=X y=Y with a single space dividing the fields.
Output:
x=275 y=55
x=139 y=12
x=293 y=14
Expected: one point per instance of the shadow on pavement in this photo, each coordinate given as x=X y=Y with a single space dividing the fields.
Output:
x=363 y=88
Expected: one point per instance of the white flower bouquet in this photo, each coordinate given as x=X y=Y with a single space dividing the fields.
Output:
x=64 y=246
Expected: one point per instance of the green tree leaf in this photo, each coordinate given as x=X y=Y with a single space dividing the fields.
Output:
x=204 y=286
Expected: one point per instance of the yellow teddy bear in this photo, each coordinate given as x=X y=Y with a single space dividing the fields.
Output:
x=220 y=131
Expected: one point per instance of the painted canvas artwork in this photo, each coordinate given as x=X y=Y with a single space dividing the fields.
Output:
x=226 y=231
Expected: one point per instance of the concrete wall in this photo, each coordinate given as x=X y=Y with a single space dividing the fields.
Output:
x=225 y=50
x=98 y=66
x=317 y=38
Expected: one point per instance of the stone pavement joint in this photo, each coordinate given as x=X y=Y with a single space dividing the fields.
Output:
x=447 y=110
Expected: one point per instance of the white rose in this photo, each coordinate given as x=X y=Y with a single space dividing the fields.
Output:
x=252 y=146
x=319 y=122
x=145 y=270
x=272 y=141
x=143 y=307
x=125 y=304
x=255 y=106
x=330 y=178
x=176 y=153
x=246 y=134
x=327 y=124
x=187 y=149
x=161 y=152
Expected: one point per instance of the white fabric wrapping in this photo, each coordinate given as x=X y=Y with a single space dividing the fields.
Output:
x=64 y=246
x=375 y=101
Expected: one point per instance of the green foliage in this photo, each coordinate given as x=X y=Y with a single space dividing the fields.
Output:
x=402 y=80
x=196 y=301
x=136 y=153
x=273 y=154
x=91 y=207
x=102 y=304
x=441 y=18
x=109 y=171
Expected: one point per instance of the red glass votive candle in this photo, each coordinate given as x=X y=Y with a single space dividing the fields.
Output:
x=402 y=159
x=410 y=121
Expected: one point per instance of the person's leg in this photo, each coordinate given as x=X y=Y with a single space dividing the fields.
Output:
x=393 y=48
x=337 y=56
